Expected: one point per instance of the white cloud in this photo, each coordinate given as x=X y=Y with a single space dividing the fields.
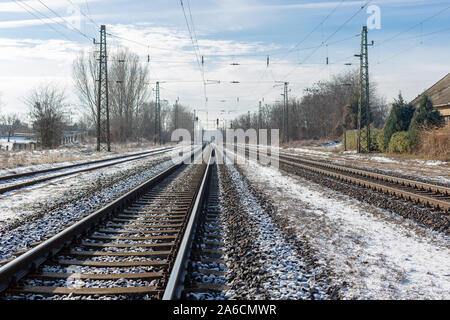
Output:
x=26 y=62
x=11 y=6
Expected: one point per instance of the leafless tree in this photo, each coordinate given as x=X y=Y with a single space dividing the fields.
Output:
x=128 y=90
x=326 y=109
x=47 y=112
x=10 y=123
x=85 y=74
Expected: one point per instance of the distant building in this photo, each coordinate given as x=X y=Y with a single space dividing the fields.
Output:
x=440 y=95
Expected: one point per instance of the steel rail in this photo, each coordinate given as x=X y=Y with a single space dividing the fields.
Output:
x=382 y=177
x=33 y=173
x=364 y=173
x=28 y=262
x=28 y=183
x=175 y=285
x=415 y=197
x=326 y=169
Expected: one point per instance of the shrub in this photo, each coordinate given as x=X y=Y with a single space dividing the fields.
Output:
x=425 y=118
x=400 y=142
x=399 y=120
x=352 y=140
x=435 y=143
x=381 y=141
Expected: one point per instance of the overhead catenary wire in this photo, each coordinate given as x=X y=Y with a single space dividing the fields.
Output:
x=330 y=36
x=412 y=27
x=24 y=6
x=315 y=29
x=85 y=15
x=196 y=49
x=435 y=33
x=73 y=28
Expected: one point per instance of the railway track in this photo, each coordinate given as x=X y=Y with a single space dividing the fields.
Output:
x=425 y=194
x=41 y=176
x=206 y=267
x=136 y=247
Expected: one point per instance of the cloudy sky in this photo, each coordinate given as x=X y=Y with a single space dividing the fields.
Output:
x=38 y=44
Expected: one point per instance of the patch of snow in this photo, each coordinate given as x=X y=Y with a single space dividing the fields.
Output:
x=381 y=255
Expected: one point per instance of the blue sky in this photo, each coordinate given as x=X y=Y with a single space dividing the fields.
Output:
x=414 y=56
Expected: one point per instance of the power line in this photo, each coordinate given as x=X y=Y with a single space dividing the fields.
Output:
x=23 y=4
x=414 y=26
x=196 y=48
x=64 y=19
x=191 y=37
x=314 y=30
x=86 y=16
x=330 y=36
x=414 y=46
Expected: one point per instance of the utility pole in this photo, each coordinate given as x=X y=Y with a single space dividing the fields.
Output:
x=193 y=128
x=176 y=113
x=157 y=116
x=260 y=116
x=259 y=120
x=286 y=113
x=103 y=129
x=364 y=94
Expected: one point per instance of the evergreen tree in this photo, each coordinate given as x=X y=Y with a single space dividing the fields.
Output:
x=399 y=118
x=425 y=117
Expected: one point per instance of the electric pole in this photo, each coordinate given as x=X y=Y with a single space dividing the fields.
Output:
x=157 y=116
x=286 y=113
x=193 y=128
x=364 y=94
x=259 y=120
x=103 y=129
x=259 y=116
x=176 y=114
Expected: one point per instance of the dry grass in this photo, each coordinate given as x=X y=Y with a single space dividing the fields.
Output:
x=435 y=144
x=14 y=159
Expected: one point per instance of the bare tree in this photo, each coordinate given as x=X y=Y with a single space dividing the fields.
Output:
x=85 y=74
x=326 y=109
x=11 y=123
x=1 y=102
x=47 y=112
x=128 y=90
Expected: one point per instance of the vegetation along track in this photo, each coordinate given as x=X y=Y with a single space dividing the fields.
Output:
x=423 y=202
x=135 y=247
x=7 y=187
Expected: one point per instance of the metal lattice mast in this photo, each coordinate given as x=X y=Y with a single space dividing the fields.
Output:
x=286 y=112
x=103 y=129
x=364 y=113
x=176 y=114
x=259 y=116
x=259 y=121
x=157 y=116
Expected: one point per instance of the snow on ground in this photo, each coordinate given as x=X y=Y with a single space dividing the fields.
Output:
x=431 y=170
x=379 y=254
x=5 y=144
x=20 y=203
x=47 y=159
x=25 y=216
x=282 y=264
